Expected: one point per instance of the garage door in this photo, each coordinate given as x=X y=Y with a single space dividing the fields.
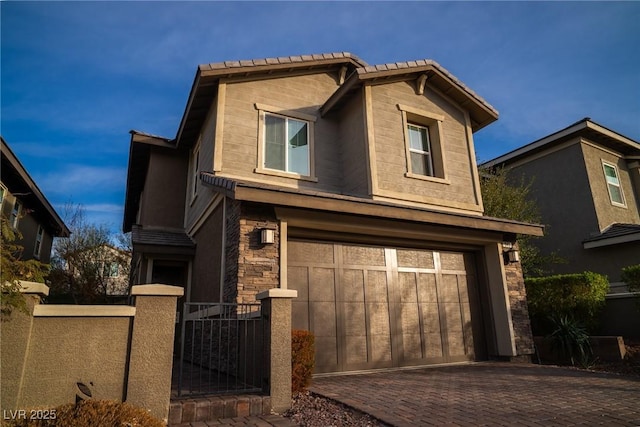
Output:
x=374 y=307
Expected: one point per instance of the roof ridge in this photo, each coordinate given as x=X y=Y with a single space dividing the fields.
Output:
x=291 y=59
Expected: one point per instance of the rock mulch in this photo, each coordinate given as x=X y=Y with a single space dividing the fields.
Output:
x=312 y=410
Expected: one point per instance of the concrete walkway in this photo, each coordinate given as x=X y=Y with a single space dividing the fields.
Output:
x=491 y=393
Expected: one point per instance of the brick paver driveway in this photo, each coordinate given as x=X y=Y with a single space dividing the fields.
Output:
x=491 y=393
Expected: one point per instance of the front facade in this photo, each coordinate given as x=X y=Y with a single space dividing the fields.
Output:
x=354 y=185
x=27 y=209
x=586 y=182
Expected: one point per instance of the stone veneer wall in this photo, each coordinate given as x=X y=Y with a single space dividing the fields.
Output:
x=519 y=309
x=251 y=267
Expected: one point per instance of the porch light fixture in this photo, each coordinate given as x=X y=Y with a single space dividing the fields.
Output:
x=512 y=254
x=267 y=236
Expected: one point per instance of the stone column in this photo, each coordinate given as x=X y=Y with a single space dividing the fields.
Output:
x=151 y=357
x=276 y=315
x=15 y=335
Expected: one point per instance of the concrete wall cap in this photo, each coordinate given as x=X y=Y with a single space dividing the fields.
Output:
x=157 y=290
x=67 y=310
x=277 y=293
x=34 y=288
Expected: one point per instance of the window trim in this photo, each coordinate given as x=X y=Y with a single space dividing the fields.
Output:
x=194 y=165
x=263 y=110
x=37 y=247
x=433 y=123
x=15 y=220
x=619 y=184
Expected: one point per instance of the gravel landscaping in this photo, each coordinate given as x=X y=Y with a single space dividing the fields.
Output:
x=312 y=410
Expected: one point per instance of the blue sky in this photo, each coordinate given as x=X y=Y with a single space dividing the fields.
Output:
x=77 y=76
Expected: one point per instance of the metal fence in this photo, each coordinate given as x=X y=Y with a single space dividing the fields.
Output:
x=221 y=347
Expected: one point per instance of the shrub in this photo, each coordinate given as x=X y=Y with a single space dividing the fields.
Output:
x=631 y=276
x=302 y=359
x=570 y=339
x=580 y=296
x=91 y=413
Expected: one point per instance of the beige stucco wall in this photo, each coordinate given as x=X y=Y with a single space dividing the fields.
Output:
x=205 y=285
x=390 y=155
x=351 y=139
x=162 y=203
x=302 y=94
x=608 y=213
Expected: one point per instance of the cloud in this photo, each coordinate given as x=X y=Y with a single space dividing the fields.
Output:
x=77 y=180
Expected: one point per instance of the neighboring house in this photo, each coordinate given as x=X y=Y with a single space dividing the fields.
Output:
x=585 y=179
x=27 y=209
x=586 y=182
x=355 y=185
x=108 y=264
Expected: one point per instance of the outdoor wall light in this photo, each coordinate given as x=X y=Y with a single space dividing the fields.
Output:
x=512 y=254
x=267 y=236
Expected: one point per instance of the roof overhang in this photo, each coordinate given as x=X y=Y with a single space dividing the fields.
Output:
x=480 y=111
x=18 y=180
x=305 y=199
x=615 y=234
x=585 y=128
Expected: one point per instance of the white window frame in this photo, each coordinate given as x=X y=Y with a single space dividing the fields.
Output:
x=263 y=111
x=37 y=247
x=608 y=183
x=432 y=122
x=427 y=154
x=15 y=213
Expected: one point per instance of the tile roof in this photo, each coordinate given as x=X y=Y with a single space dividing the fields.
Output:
x=615 y=230
x=294 y=59
x=158 y=237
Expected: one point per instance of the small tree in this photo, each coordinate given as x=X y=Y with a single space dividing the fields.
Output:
x=86 y=266
x=503 y=199
x=14 y=269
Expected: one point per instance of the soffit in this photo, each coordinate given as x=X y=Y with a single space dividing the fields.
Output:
x=20 y=184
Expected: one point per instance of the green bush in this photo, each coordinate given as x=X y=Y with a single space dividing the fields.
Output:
x=569 y=339
x=302 y=359
x=89 y=413
x=578 y=296
x=631 y=276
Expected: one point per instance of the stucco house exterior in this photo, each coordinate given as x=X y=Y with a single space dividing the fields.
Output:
x=354 y=185
x=585 y=179
x=27 y=209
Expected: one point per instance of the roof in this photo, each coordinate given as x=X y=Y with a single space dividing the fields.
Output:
x=160 y=237
x=614 y=234
x=300 y=198
x=205 y=84
x=481 y=112
x=18 y=181
x=586 y=128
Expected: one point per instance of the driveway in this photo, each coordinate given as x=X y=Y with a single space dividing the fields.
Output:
x=491 y=393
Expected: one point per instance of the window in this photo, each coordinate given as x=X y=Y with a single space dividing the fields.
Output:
x=423 y=144
x=38 y=246
x=420 y=150
x=286 y=144
x=195 y=170
x=110 y=269
x=613 y=184
x=15 y=213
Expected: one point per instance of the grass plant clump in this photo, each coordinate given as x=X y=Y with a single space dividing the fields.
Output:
x=302 y=359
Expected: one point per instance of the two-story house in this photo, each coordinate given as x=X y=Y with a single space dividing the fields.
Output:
x=585 y=179
x=355 y=185
x=27 y=209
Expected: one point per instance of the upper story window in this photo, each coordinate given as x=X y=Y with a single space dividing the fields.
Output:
x=286 y=143
x=613 y=184
x=15 y=214
x=423 y=144
x=37 y=248
x=195 y=169
x=420 y=150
